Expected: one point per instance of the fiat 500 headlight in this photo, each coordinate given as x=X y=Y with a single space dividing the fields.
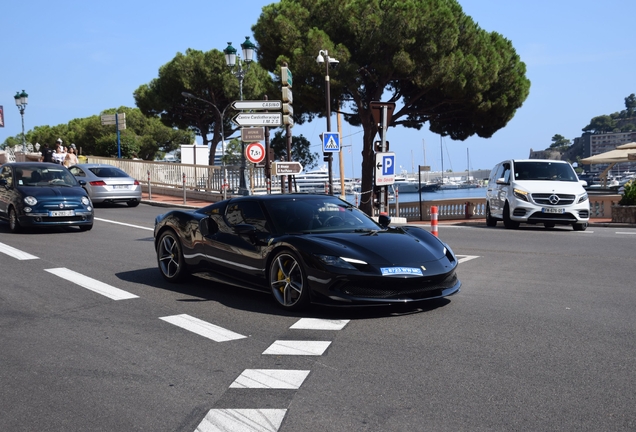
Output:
x=30 y=201
x=85 y=201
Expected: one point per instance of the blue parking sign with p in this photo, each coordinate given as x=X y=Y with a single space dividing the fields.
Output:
x=388 y=165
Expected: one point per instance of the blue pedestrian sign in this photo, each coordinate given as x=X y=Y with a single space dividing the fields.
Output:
x=384 y=168
x=331 y=142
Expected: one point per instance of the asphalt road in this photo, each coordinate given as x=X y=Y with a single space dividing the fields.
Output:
x=541 y=338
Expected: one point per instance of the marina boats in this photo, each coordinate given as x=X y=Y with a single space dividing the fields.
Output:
x=406 y=185
x=317 y=181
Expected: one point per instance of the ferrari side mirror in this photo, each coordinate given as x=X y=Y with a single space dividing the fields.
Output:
x=384 y=220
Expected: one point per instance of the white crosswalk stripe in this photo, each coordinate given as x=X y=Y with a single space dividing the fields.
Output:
x=291 y=347
x=242 y=420
x=464 y=258
x=15 y=253
x=202 y=328
x=270 y=379
x=319 y=324
x=92 y=284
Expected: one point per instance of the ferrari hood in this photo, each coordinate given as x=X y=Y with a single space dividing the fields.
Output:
x=393 y=248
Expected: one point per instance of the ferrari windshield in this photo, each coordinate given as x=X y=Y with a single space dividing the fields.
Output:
x=44 y=175
x=317 y=213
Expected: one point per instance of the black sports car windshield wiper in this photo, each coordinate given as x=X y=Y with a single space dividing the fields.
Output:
x=368 y=231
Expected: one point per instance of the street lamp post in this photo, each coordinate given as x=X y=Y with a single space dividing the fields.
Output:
x=323 y=57
x=21 y=100
x=236 y=67
x=222 y=115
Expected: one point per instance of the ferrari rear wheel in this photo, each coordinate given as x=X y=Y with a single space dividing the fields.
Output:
x=288 y=282
x=170 y=257
x=14 y=224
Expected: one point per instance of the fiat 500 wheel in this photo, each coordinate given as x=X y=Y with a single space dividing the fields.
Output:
x=288 y=282
x=14 y=224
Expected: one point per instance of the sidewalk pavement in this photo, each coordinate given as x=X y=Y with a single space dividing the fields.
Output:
x=176 y=201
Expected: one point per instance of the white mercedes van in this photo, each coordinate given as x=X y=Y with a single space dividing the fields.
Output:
x=536 y=191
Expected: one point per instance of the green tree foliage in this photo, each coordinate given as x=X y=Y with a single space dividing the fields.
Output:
x=233 y=151
x=425 y=55
x=143 y=136
x=630 y=105
x=560 y=143
x=600 y=124
x=206 y=76
x=629 y=195
x=300 y=149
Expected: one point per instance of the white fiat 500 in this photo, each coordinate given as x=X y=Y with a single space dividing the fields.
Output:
x=536 y=191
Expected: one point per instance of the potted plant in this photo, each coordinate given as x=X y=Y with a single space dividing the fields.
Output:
x=625 y=211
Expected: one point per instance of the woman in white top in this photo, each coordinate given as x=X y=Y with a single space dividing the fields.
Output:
x=71 y=158
x=58 y=156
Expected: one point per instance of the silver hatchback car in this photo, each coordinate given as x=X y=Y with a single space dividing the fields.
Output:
x=108 y=184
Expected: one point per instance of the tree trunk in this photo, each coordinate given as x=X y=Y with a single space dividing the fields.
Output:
x=368 y=160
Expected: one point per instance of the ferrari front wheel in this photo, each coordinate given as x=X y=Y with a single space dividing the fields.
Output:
x=288 y=282
x=170 y=257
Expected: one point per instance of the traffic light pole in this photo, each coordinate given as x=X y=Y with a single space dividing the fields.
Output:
x=383 y=189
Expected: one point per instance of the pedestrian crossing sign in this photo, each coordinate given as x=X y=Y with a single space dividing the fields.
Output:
x=331 y=142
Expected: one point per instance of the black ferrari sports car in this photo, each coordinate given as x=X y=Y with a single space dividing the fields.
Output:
x=305 y=248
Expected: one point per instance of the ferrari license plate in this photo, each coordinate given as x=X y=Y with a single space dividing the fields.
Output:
x=554 y=210
x=58 y=213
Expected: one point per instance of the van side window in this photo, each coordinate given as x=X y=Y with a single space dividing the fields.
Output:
x=506 y=172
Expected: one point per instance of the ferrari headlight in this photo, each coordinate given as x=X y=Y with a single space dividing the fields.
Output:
x=30 y=200
x=341 y=262
x=583 y=198
x=85 y=201
x=520 y=194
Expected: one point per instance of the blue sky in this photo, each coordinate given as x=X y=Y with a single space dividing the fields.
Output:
x=76 y=58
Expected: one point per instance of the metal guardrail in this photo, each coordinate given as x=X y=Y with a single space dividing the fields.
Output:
x=475 y=208
x=203 y=181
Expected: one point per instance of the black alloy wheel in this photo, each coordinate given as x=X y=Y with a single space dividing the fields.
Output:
x=579 y=226
x=170 y=257
x=490 y=221
x=14 y=224
x=288 y=282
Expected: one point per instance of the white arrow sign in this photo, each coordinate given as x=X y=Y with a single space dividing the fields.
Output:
x=257 y=105
x=258 y=119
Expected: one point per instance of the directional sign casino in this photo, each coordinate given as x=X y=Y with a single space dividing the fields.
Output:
x=257 y=105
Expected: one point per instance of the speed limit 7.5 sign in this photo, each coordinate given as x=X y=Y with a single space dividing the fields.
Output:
x=255 y=152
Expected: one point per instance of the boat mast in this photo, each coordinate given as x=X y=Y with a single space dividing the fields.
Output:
x=467 y=166
x=441 y=149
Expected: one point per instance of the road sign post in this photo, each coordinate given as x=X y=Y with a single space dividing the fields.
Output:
x=286 y=80
x=382 y=112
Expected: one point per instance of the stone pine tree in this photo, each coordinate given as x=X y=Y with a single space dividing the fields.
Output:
x=206 y=76
x=427 y=56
